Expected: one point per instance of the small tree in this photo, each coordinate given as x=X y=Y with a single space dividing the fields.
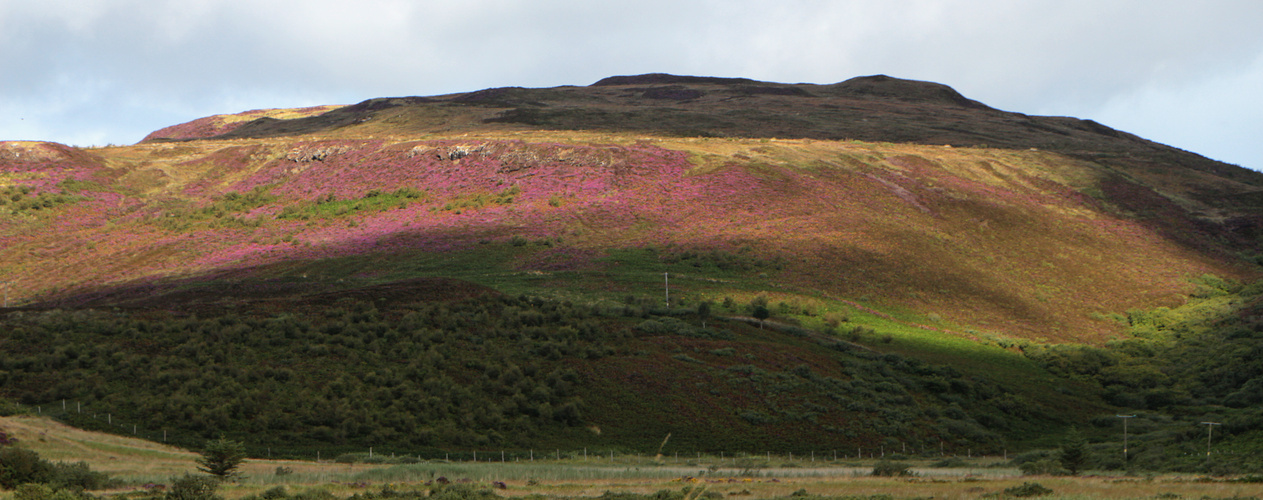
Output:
x=761 y=313
x=1074 y=453
x=221 y=458
x=758 y=309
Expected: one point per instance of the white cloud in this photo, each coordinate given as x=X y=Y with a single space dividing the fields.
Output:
x=1219 y=116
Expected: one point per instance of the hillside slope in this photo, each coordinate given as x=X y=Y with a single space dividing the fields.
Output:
x=1025 y=243
x=897 y=217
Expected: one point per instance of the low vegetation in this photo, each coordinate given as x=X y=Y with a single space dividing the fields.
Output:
x=1176 y=368
x=492 y=372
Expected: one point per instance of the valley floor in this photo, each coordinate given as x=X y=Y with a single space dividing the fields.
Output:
x=141 y=464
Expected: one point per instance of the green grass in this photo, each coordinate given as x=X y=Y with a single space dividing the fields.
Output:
x=373 y=201
x=480 y=200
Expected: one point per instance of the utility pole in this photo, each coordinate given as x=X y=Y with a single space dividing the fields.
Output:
x=1210 y=426
x=666 y=286
x=1125 y=417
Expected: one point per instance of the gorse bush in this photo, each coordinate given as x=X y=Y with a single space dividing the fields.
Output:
x=1027 y=490
x=1043 y=467
x=193 y=487
x=45 y=492
x=20 y=466
x=892 y=469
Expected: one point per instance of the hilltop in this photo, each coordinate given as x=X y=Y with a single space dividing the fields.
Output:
x=882 y=222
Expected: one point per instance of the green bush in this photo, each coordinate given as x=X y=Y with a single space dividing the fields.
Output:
x=950 y=462
x=191 y=487
x=347 y=458
x=20 y=466
x=313 y=494
x=31 y=491
x=462 y=492
x=80 y=477
x=1043 y=467
x=46 y=492
x=887 y=468
x=1027 y=490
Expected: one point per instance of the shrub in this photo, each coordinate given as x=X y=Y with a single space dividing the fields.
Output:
x=191 y=487
x=313 y=494
x=19 y=466
x=887 y=468
x=757 y=417
x=79 y=476
x=1027 y=490
x=346 y=458
x=462 y=492
x=1043 y=467
x=32 y=492
x=45 y=492
x=950 y=462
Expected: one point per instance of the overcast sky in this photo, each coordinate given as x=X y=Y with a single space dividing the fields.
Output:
x=92 y=72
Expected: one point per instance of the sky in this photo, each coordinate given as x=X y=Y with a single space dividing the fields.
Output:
x=95 y=72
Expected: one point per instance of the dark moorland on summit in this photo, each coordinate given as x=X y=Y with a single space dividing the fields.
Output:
x=746 y=266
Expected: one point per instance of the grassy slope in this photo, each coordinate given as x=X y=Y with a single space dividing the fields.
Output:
x=115 y=455
x=997 y=241
x=948 y=252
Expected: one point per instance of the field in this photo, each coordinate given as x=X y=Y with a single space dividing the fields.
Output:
x=142 y=464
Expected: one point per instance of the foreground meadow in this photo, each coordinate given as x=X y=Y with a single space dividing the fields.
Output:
x=142 y=464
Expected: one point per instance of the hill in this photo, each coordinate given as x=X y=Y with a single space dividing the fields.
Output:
x=497 y=258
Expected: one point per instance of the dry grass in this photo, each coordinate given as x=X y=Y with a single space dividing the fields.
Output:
x=138 y=462
x=118 y=456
